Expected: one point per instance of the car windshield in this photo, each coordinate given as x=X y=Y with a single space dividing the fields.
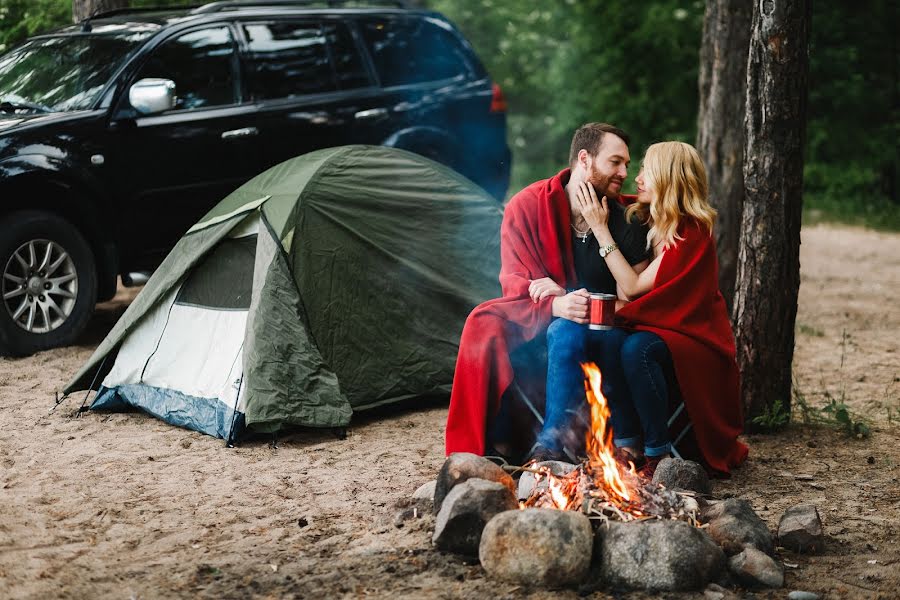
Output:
x=63 y=73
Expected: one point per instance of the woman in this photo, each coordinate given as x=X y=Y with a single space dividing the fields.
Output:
x=674 y=335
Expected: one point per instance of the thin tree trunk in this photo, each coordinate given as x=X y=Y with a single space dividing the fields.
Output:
x=82 y=9
x=720 y=134
x=768 y=277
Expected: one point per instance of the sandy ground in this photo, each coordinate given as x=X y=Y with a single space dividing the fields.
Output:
x=125 y=506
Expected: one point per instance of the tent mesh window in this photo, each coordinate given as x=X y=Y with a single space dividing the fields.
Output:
x=224 y=279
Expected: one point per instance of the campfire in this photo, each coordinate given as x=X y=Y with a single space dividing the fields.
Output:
x=600 y=486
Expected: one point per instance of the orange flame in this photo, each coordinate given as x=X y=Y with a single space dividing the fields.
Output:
x=599 y=438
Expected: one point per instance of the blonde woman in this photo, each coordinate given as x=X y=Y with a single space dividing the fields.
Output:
x=675 y=335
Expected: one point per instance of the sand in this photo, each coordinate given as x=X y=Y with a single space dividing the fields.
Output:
x=125 y=506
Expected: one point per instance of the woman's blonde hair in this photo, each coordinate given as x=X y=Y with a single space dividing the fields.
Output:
x=676 y=179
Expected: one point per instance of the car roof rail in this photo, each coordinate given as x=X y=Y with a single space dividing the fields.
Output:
x=102 y=14
x=221 y=5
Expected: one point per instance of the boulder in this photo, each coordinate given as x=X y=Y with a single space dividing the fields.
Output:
x=526 y=481
x=800 y=529
x=466 y=510
x=755 y=568
x=679 y=474
x=537 y=546
x=733 y=525
x=656 y=556
x=461 y=466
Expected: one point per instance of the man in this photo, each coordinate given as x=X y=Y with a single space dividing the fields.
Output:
x=549 y=263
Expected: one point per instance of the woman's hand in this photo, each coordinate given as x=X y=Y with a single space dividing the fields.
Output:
x=595 y=212
x=544 y=287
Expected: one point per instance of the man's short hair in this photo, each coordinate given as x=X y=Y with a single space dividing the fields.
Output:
x=590 y=137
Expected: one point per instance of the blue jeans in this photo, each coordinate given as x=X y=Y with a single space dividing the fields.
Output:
x=634 y=382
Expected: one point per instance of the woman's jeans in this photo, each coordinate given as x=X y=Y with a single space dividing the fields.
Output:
x=634 y=367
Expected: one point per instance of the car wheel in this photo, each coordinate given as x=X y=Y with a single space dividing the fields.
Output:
x=49 y=282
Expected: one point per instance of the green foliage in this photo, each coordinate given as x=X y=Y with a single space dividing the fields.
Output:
x=20 y=19
x=774 y=418
x=563 y=63
x=809 y=330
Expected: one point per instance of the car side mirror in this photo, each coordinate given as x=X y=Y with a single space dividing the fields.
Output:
x=150 y=96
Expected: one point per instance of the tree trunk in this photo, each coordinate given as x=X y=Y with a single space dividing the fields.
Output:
x=720 y=141
x=768 y=277
x=82 y=9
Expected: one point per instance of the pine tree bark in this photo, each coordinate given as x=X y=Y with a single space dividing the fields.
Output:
x=720 y=134
x=768 y=276
x=82 y=9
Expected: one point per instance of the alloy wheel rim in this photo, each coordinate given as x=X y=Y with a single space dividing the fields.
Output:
x=40 y=286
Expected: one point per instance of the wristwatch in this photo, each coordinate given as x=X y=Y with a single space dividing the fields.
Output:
x=607 y=250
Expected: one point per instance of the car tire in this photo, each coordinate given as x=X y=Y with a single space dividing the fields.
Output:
x=48 y=282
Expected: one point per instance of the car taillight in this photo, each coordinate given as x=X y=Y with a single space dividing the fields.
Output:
x=498 y=102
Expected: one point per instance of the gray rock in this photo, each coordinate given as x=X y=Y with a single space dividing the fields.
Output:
x=733 y=525
x=537 y=546
x=800 y=529
x=679 y=474
x=715 y=591
x=755 y=568
x=461 y=466
x=657 y=556
x=466 y=510
x=423 y=497
x=801 y=595
x=526 y=481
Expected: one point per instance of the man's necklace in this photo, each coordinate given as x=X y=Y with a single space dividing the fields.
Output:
x=582 y=235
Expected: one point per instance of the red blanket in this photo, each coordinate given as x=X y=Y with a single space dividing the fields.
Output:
x=686 y=309
x=534 y=242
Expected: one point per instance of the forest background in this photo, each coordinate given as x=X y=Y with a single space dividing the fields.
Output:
x=561 y=63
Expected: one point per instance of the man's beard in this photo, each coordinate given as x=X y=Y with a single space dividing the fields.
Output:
x=601 y=184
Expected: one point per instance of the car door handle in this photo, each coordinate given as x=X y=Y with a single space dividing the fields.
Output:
x=372 y=113
x=239 y=133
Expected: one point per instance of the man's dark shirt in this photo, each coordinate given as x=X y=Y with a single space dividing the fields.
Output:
x=590 y=268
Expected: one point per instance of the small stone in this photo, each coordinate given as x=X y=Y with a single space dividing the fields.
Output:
x=302 y=522
x=423 y=497
x=715 y=591
x=657 y=556
x=526 y=481
x=461 y=466
x=537 y=546
x=811 y=444
x=755 y=568
x=800 y=529
x=185 y=443
x=733 y=525
x=801 y=595
x=406 y=514
x=679 y=474
x=466 y=510
x=871 y=460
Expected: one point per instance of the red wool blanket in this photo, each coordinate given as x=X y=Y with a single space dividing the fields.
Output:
x=534 y=243
x=686 y=309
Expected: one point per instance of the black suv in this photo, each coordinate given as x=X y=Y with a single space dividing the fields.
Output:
x=119 y=133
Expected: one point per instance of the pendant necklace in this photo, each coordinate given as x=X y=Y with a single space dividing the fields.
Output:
x=582 y=235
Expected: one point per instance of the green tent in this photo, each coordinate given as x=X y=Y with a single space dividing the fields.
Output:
x=334 y=282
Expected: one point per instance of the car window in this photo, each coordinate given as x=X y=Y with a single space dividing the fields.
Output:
x=201 y=65
x=348 y=64
x=412 y=51
x=286 y=59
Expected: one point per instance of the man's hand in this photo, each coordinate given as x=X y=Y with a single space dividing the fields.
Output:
x=573 y=306
x=544 y=287
x=595 y=212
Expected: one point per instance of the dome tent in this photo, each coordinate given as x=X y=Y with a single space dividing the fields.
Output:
x=333 y=282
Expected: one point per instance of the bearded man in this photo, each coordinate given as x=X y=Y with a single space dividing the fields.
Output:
x=550 y=262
